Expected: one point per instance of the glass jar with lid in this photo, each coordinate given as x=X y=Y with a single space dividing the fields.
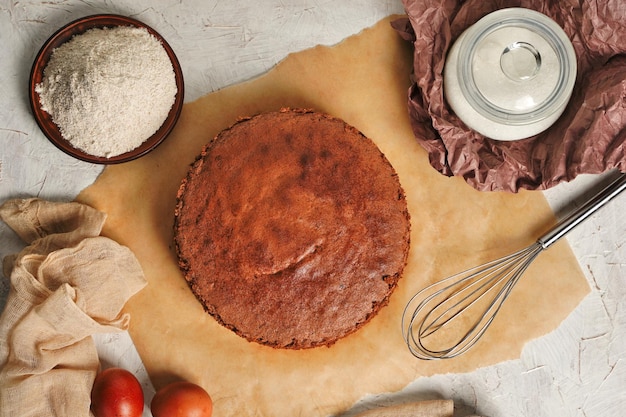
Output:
x=511 y=74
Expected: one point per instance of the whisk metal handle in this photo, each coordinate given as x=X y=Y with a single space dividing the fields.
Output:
x=583 y=212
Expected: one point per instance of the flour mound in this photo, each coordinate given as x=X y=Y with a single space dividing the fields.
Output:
x=109 y=89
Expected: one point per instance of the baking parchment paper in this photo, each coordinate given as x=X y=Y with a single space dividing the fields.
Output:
x=364 y=81
x=588 y=137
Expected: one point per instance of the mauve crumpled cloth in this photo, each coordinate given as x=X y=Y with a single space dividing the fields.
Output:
x=587 y=138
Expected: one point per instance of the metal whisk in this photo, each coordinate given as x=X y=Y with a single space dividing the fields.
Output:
x=460 y=308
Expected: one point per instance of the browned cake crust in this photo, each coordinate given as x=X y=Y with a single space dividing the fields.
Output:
x=292 y=229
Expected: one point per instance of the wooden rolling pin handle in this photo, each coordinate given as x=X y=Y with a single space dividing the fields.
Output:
x=431 y=408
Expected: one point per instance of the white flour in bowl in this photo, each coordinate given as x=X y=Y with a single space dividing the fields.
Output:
x=108 y=90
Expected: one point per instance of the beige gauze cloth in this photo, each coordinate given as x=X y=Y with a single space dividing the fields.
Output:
x=66 y=285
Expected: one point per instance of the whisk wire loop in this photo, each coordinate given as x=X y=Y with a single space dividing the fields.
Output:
x=449 y=301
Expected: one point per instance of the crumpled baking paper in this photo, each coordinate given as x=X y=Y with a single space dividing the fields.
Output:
x=587 y=138
x=362 y=80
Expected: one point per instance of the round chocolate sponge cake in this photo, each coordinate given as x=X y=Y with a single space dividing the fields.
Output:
x=292 y=229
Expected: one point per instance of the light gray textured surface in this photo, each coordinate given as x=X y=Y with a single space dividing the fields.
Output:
x=578 y=370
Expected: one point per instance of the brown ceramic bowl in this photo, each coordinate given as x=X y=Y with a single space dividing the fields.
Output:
x=44 y=120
